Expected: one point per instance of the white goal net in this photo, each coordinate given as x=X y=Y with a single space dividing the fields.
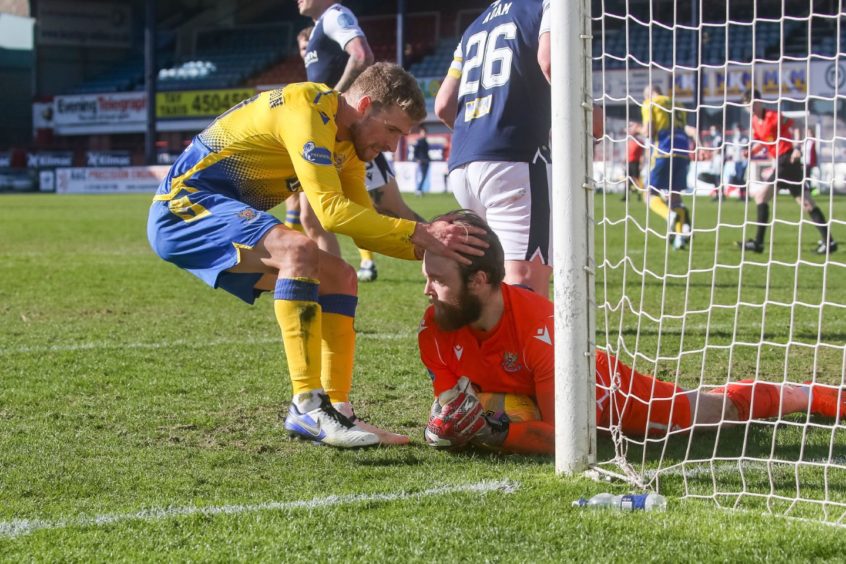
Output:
x=714 y=313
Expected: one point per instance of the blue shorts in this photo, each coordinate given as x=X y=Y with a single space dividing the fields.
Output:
x=660 y=175
x=204 y=237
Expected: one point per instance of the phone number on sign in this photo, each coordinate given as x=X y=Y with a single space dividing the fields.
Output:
x=199 y=102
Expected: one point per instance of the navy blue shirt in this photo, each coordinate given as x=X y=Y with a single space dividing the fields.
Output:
x=325 y=58
x=504 y=108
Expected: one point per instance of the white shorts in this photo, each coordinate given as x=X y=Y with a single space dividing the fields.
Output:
x=377 y=172
x=515 y=200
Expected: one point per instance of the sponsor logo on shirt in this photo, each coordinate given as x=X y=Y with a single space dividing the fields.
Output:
x=543 y=335
x=317 y=155
x=510 y=362
x=276 y=98
x=310 y=58
x=477 y=107
x=345 y=21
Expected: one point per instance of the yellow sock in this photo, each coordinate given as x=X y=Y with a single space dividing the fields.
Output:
x=292 y=221
x=365 y=255
x=299 y=318
x=659 y=206
x=338 y=345
x=681 y=218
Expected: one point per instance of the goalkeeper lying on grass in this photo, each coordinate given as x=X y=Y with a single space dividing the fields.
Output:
x=489 y=349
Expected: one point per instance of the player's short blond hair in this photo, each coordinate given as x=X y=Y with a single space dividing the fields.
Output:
x=305 y=33
x=388 y=84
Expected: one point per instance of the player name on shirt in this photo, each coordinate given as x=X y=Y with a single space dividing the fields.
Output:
x=498 y=9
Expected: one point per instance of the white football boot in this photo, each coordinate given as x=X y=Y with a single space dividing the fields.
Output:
x=367 y=271
x=312 y=417
x=385 y=437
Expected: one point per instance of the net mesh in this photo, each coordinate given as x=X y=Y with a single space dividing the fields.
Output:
x=714 y=312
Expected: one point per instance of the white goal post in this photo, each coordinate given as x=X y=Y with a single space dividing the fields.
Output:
x=718 y=310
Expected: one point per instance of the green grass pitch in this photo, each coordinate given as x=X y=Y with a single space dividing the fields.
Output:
x=140 y=418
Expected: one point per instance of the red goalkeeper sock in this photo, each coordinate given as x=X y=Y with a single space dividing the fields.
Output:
x=742 y=394
x=828 y=401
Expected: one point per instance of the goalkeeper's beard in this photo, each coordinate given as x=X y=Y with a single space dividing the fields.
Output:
x=453 y=317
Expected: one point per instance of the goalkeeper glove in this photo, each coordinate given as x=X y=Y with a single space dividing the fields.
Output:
x=458 y=418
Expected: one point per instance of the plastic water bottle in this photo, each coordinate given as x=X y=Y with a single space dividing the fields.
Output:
x=629 y=502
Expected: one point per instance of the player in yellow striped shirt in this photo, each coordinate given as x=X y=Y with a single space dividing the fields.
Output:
x=209 y=216
x=665 y=125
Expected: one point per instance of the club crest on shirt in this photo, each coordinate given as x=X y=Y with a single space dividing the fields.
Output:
x=247 y=214
x=510 y=362
x=316 y=154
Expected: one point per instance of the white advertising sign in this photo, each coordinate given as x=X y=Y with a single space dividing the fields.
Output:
x=788 y=80
x=42 y=115
x=407 y=179
x=82 y=111
x=109 y=180
x=827 y=78
x=47 y=181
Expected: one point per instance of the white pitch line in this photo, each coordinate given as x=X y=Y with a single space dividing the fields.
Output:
x=95 y=345
x=21 y=527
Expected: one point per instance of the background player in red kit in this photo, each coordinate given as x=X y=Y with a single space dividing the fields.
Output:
x=634 y=158
x=775 y=131
x=481 y=335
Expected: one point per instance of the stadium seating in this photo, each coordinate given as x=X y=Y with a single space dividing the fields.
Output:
x=678 y=47
x=436 y=64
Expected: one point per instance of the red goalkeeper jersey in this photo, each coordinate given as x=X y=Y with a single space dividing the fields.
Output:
x=517 y=357
x=775 y=131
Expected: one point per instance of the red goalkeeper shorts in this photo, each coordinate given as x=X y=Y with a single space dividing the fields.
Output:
x=641 y=404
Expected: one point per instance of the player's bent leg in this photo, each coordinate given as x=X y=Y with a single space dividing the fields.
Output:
x=533 y=275
x=826 y=244
x=712 y=409
x=826 y=400
x=640 y=404
x=300 y=264
x=326 y=240
x=762 y=400
x=762 y=195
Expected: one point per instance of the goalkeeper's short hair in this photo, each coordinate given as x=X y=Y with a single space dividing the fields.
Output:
x=492 y=262
x=751 y=95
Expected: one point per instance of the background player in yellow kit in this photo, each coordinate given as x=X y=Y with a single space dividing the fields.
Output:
x=665 y=126
x=209 y=217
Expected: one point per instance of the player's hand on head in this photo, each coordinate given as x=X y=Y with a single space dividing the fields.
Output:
x=452 y=240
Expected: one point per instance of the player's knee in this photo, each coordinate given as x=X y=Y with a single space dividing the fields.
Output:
x=337 y=276
x=348 y=278
x=291 y=247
